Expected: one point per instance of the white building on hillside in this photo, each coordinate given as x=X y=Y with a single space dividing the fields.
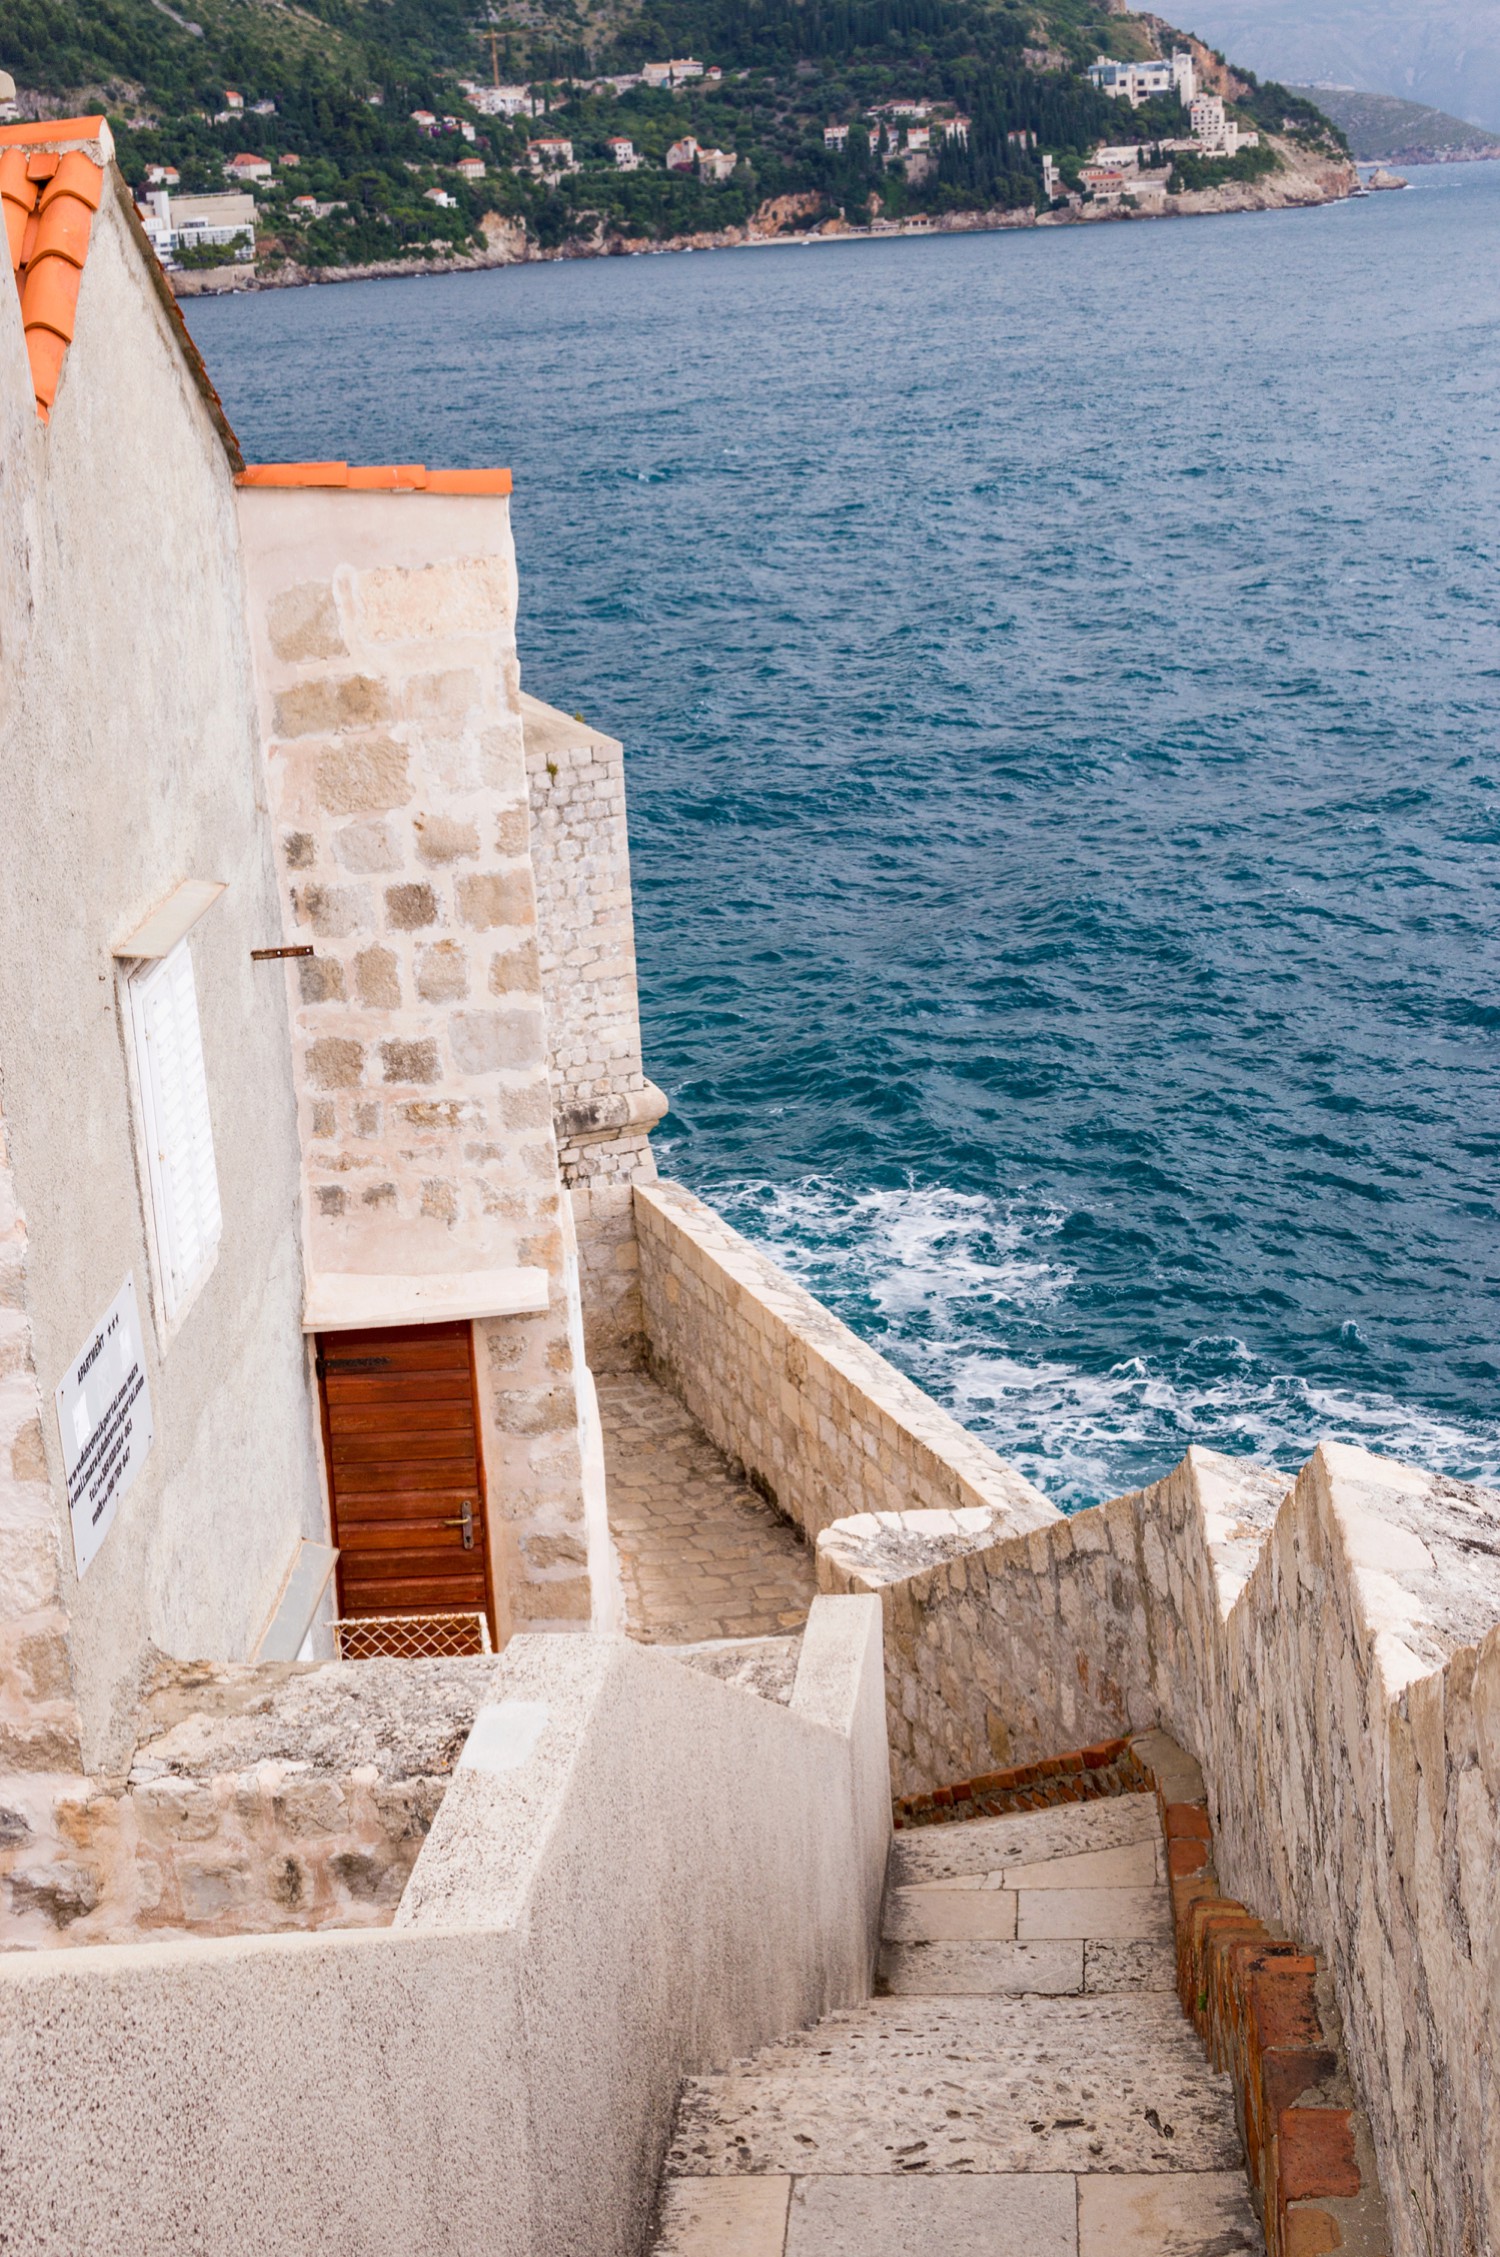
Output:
x=623 y=153
x=551 y=154
x=502 y=101
x=1215 y=132
x=716 y=164
x=1138 y=82
x=678 y=72
x=181 y=223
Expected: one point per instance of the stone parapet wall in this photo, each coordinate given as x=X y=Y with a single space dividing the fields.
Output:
x=261 y=1799
x=1002 y=1650
x=1332 y=1659
x=1265 y=2011
x=822 y=1425
x=581 y=1931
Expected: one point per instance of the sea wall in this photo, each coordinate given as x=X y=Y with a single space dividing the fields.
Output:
x=496 y=2073
x=1332 y=1659
x=822 y=1425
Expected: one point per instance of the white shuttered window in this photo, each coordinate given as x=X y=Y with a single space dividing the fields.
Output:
x=179 y=1134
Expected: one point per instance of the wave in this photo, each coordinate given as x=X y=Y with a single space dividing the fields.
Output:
x=956 y=1288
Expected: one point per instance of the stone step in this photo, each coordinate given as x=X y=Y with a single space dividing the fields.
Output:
x=1113 y=2215
x=1026 y=2086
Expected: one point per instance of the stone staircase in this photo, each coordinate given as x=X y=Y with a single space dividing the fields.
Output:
x=1024 y=2083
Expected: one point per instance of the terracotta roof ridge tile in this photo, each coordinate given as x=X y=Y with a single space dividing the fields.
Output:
x=49 y=200
x=389 y=478
x=55 y=133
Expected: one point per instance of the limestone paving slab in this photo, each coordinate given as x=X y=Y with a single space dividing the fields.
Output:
x=1033 y=2216
x=1168 y=2214
x=1131 y=1865
x=1110 y=1964
x=702 y=1557
x=1143 y=1915
x=1109 y=2083
x=982 y=1970
x=723 y=2218
x=943 y=1916
x=988 y=1845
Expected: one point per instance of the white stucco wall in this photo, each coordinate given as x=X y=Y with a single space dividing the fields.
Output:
x=637 y=1874
x=128 y=762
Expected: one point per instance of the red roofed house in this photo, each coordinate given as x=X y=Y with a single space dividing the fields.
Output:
x=551 y=154
x=248 y=167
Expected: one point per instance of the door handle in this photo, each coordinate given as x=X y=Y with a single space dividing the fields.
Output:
x=465 y=1521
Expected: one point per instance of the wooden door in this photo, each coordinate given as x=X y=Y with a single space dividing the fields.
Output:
x=401 y=1431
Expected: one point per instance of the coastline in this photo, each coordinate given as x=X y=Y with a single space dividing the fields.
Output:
x=1296 y=187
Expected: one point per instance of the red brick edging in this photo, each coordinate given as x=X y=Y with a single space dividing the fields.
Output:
x=1082 y=1775
x=1253 y=1998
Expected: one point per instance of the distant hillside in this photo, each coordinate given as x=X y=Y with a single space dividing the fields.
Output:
x=1380 y=128
x=1442 y=52
x=814 y=111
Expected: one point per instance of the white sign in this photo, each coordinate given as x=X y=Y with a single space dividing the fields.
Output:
x=104 y=1415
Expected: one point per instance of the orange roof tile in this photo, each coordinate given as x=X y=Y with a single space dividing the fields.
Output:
x=50 y=190
x=389 y=478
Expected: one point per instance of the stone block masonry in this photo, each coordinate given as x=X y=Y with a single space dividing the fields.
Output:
x=603 y=1106
x=390 y=703
x=260 y=1799
x=823 y=1426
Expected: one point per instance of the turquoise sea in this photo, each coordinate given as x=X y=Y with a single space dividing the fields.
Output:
x=1060 y=674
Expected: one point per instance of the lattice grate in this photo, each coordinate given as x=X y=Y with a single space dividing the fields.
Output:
x=411 y=1637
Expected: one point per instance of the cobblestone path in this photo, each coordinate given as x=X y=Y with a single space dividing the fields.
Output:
x=701 y=1554
x=1027 y=2085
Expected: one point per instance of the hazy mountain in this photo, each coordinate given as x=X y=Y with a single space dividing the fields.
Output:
x=1445 y=53
x=1383 y=128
